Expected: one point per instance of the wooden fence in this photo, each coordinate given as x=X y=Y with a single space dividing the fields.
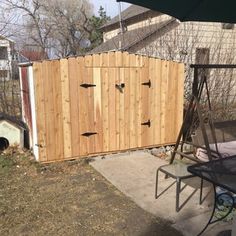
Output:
x=108 y=102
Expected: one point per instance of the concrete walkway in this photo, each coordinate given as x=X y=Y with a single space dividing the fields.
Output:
x=134 y=174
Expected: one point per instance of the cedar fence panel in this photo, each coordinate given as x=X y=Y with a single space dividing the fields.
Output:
x=106 y=103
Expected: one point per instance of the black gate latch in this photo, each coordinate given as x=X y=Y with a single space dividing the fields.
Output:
x=120 y=87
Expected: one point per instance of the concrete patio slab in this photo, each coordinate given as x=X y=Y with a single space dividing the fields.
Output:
x=133 y=173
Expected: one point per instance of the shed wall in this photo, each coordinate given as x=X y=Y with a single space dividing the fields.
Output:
x=103 y=103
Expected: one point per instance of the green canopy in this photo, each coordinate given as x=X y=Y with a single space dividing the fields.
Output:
x=193 y=10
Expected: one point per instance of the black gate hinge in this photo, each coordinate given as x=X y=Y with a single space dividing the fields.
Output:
x=148 y=123
x=87 y=85
x=149 y=84
x=87 y=134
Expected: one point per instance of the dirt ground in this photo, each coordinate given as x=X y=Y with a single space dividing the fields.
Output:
x=67 y=198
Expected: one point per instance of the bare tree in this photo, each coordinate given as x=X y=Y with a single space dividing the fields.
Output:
x=35 y=23
x=56 y=27
x=70 y=25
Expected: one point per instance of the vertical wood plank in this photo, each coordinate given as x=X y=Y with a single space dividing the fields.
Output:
x=170 y=104
x=133 y=107
x=164 y=86
x=179 y=97
x=40 y=110
x=96 y=60
x=49 y=110
x=104 y=60
x=88 y=60
x=73 y=70
x=117 y=107
x=119 y=59
x=147 y=74
x=112 y=59
x=140 y=73
x=98 y=109
x=57 y=103
x=132 y=60
x=105 y=108
x=156 y=96
x=127 y=127
x=138 y=61
x=83 y=104
x=65 y=91
x=90 y=110
x=126 y=59
x=112 y=109
x=122 y=110
x=151 y=77
x=171 y=121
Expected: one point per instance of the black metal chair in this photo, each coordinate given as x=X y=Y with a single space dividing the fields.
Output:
x=179 y=172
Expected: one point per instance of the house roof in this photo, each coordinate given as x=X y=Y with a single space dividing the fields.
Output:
x=22 y=59
x=130 y=12
x=5 y=38
x=17 y=122
x=131 y=38
x=33 y=55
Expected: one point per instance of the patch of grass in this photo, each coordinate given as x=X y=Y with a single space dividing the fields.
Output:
x=66 y=198
x=6 y=164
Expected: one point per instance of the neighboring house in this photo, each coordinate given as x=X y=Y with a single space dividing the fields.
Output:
x=154 y=34
x=6 y=58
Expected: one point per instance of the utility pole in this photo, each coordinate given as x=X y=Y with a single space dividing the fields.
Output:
x=120 y=19
x=121 y=27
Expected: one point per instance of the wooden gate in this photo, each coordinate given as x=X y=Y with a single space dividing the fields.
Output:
x=108 y=102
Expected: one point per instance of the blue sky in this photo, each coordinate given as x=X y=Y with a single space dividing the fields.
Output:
x=110 y=6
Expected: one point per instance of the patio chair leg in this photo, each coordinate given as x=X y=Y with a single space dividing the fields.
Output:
x=156 y=184
x=178 y=186
x=201 y=187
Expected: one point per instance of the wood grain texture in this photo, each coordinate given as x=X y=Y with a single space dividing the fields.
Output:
x=127 y=106
x=83 y=103
x=164 y=100
x=180 y=75
x=132 y=112
x=105 y=108
x=147 y=75
x=98 y=109
x=122 y=109
x=112 y=103
x=156 y=97
x=40 y=110
x=112 y=108
x=58 y=118
x=73 y=71
x=65 y=91
x=49 y=110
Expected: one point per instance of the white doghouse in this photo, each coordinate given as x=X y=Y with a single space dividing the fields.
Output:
x=11 y=132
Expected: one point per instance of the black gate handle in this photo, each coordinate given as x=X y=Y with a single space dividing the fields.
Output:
x=120 y=87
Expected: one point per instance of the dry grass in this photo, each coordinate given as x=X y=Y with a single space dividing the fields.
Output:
x=67 y=198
